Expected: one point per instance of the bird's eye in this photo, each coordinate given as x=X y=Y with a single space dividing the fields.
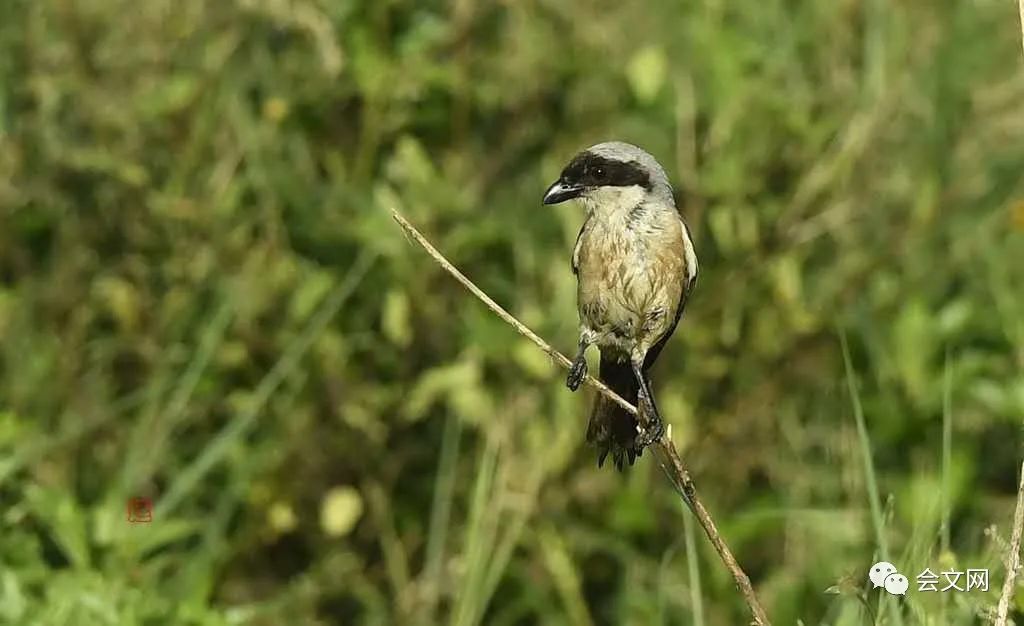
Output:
x=599 y=173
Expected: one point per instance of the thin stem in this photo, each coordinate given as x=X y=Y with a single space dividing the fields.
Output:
x=1013 y=558
x=1020 y=4
x=693 y=567
x=664 y=450
x=947 y=464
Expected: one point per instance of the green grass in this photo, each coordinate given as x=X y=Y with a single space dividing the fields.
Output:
x=204 y=300
x=882 y=552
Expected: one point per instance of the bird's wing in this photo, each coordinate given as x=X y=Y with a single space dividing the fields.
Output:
x=690 y=278
x=652 y=354
x=689 y=282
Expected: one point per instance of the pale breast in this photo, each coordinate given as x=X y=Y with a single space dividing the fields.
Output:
x=631 y=274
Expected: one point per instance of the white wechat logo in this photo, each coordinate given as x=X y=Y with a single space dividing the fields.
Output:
x=883 y=574
x=896 y=584
x=879 y=571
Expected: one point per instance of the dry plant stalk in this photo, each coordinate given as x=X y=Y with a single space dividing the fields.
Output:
x=664 y=450
x=1013 y=558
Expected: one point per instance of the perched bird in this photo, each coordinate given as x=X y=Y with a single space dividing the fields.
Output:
x=635 y=267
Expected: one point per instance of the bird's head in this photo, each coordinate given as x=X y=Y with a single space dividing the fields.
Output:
x=611 y=174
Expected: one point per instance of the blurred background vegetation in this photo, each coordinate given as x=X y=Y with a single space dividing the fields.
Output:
x=204 y=301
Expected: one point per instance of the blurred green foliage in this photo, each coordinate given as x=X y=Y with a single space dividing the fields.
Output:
x=203 y=300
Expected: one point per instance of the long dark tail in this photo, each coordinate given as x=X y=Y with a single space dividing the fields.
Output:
x=613 y=428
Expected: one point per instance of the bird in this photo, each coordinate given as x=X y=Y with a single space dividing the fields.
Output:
x=635 y=266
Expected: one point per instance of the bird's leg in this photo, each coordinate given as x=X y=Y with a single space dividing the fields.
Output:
x=578 y=371
x=654 y=427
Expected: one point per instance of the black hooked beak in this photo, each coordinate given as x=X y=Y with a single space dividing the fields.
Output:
x=560 y=191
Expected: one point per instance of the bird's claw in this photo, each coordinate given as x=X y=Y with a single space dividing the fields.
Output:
x=654 y=429
x=577 y=373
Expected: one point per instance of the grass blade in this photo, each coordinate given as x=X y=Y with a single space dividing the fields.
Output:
x=864 y=440
x=218 y=448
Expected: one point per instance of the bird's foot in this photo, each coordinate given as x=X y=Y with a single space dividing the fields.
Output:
x=654 y=429
x=577 y=373
x=650 y=434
